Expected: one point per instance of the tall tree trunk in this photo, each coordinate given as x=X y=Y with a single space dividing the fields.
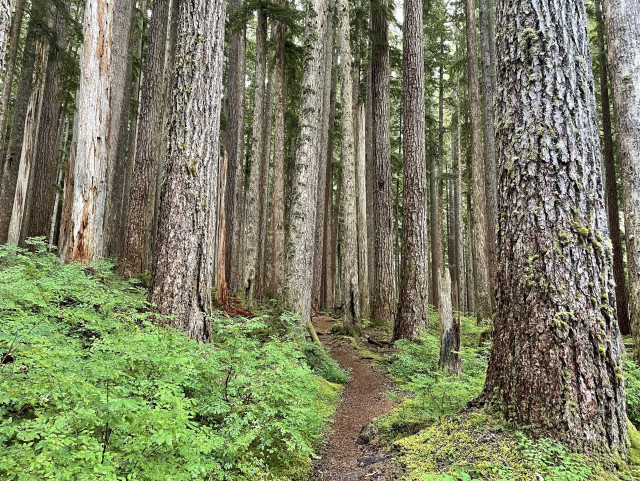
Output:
x=222 y=293
x=29 y=142
x=120 y=95
x=413 y=314
x=350 y=286
x=183 y=270
x=459 y=214
x=488 y=54
x=436 y=198
x=622 y=22
x=331 y=209
x=323 y=158
x=449 y=329
x=384 y=296
x=276 y=254
x=611 y=182
x=235 y=144
x=305 y=181
x=252 y=224
x=99 y=107
x=361 y=184
x=265 y=159
x=42 y=191
x=480 y=226
x=370 y=179
x=555 y=299
x=14 y=42
x=148 y=145
x=21 y=105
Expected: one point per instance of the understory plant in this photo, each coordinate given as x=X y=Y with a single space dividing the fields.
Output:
x=92 y=388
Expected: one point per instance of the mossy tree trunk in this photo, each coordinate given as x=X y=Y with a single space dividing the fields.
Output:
x=555 y=364
x=182 y=276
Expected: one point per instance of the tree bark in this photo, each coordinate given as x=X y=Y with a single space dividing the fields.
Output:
x=305 y=178
x=235 y=145
x=148 y=145
x=99 y=110
x=183 y=266
x=413 y=314
x=21 y=104
x=120 y=99
x=29 y=142
x=555 y=298
x=363 y=252
x=13 y=41
x=323 y=157
x=622 y=22
x=276 y=253
x=384 y=297
x=437 y=257
x=480 y=225
x=611 y=182
x=42 y=192
x=331 y=209
x=350 y=286
x=488 y=54
x=252 y=224
x=459 y=214
x=449 y=328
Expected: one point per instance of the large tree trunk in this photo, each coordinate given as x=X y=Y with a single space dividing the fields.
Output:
x=121 y=87
x=148 y=146
x=370 y=179
x=20 y=107
x=235 y=145
x=42 y=192
x=29 y=141
x=331 y=209
x=622 y=22
x=488 y=53
x=323 y=158
x=363 y=247
x=252 y=224
x=276 y=254
x=183 y=270
x=611 y=182
x=265 y=159
x=437 y=257
x=458 y=211
x=100 y=109
x=350 y=287
x=13 y=41
x=413 y=314
x=482 y=294
x=555 y=364
x=384 y=296
x=305 y=181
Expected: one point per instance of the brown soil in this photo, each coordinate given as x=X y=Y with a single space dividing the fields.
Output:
x=348 y=455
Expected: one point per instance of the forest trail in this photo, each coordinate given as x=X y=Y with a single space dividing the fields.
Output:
x=363 y=399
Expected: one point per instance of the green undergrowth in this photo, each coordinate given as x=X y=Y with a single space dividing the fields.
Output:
x=436 y=437
x=91 y=389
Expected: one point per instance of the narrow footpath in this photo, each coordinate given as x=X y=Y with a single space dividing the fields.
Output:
x=350 y=455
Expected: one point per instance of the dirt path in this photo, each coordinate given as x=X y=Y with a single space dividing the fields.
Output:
x=363 y=399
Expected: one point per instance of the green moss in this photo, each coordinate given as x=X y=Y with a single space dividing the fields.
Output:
x=582 y=230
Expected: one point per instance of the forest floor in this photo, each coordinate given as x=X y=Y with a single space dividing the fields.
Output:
x=349 y=453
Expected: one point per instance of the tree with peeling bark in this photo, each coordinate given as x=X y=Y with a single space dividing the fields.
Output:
x=413 y=314
x=622 y=22
x=350 y=286
x=182 y=275
x=449 y=328
x=555 y=299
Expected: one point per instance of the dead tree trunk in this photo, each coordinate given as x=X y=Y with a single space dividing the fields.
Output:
x=449 y=328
